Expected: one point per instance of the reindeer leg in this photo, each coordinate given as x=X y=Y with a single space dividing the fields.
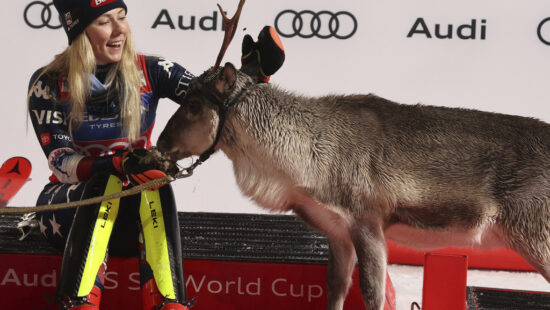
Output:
x=371 y=250
x=524 y=225
x=341 y=252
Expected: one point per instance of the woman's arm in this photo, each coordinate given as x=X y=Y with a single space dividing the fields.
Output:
x=169 y=79
x=50 y=121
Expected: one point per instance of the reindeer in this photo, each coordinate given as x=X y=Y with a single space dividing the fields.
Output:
x=362 y=169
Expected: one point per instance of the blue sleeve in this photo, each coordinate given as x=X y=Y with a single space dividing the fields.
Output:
x=49 y=118
x=169 y=79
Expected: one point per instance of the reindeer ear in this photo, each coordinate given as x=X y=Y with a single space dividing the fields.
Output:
x=226 y=80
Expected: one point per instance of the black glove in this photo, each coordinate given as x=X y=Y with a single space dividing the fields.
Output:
x=138 y=165
x=263 y=58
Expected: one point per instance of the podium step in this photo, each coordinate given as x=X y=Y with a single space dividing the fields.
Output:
x=218 y=236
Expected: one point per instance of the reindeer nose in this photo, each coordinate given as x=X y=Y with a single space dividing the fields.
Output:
x=163 y=145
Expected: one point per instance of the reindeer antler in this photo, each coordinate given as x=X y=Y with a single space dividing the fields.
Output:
x=230 y=29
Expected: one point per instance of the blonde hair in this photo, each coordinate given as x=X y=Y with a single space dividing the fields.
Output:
x=77 y=62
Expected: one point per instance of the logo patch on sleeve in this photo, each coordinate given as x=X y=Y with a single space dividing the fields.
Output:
x=45 y=139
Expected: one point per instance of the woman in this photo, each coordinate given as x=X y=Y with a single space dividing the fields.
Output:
x=93 y=109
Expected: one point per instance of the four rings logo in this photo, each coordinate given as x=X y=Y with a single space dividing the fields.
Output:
x=288 y=23
x=324 y=24
x=39 y=14
x=543 y=31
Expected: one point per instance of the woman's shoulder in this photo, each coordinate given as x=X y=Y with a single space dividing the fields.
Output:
x=37 y=74
x=45 y=84
x=148 y=59
x=44 y=76
x=161 y=66
x=147 y=62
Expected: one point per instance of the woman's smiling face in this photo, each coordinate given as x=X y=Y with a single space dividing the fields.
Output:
x=107 y=34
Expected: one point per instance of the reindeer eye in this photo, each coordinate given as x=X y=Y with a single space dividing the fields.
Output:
x=194 y=107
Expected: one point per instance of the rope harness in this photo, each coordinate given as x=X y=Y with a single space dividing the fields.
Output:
x=184 y=173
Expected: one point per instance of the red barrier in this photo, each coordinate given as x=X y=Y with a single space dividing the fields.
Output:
x=444 y=282
x=497 y=259
x=222 y=285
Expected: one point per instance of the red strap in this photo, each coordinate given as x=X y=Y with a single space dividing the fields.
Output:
x=117 y=163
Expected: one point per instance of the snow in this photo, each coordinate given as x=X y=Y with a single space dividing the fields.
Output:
x=407 y=281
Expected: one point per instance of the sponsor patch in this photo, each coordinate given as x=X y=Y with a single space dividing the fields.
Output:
x=98 y=3
x=68 y=18
x=45 y=139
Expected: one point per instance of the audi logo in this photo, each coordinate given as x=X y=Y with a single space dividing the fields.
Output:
x=39 y=14
x=544 y=36
x=323 y=24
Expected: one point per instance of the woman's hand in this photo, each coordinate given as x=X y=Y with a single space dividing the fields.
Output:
x=141 y=166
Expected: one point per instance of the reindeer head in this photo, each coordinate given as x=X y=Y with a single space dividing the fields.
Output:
x=195 y=126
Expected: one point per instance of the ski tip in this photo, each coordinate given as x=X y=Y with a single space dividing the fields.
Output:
x=18 y=158
x=16 y=165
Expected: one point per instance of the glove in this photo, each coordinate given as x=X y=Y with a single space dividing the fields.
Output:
x=263 y=58
x=138 y=165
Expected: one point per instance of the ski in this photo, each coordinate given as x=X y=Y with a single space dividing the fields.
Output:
x=14 y=172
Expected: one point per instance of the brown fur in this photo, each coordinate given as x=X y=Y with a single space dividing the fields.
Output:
x=362 y=169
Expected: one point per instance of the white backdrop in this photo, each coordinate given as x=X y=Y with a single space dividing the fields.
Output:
x=393 y=50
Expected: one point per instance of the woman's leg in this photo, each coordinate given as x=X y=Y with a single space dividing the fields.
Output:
x=82 y=268
x=161 y=263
